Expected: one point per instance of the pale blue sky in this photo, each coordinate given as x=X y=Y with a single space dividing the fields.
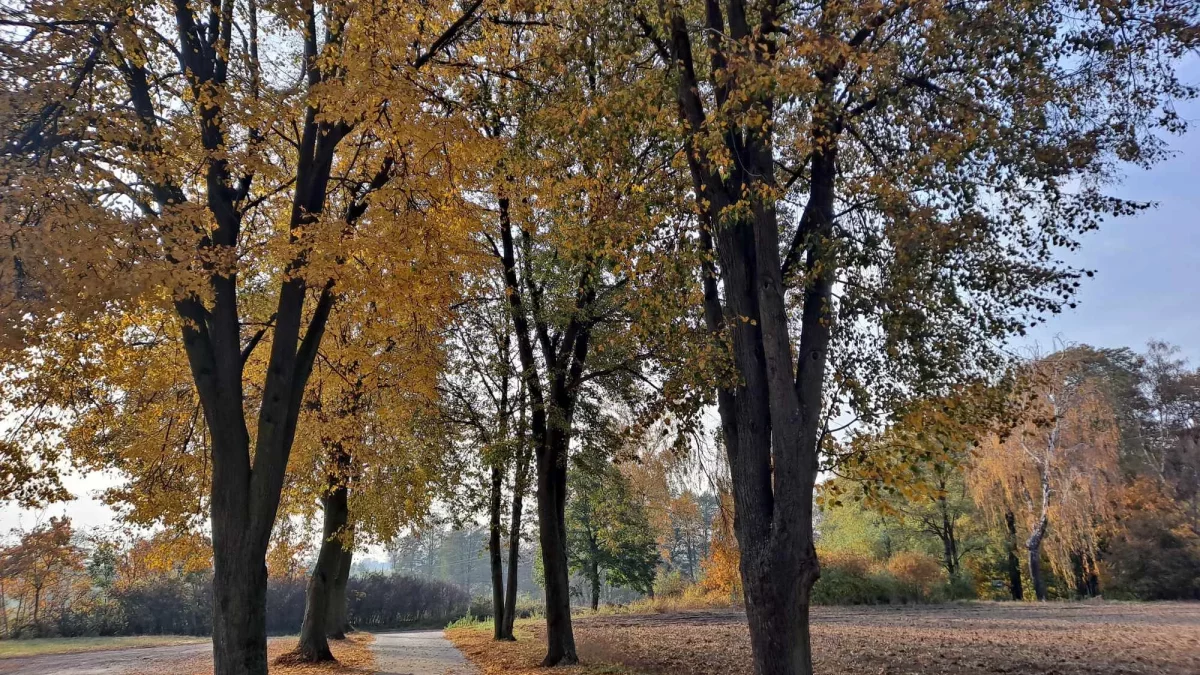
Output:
x=1147 y=282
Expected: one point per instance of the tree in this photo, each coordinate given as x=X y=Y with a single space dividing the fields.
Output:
x=863 y=173
x=165 y=153
x=41 y=560
x=912 y=470
x=484 y=396
x=1057 y=468
x=576 y=224
x=608 y=533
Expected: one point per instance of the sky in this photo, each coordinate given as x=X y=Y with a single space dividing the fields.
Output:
x=1147 y=286
x=1147 y=283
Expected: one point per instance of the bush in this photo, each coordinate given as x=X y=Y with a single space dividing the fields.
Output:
x=960 y=587
x=917 y=575
x=847 y=586
x=908 y=577
x=669 y=584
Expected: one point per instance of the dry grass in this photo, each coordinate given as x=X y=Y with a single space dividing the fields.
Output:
x=692 y=599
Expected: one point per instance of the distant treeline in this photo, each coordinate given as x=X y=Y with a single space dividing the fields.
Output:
x=182 y=605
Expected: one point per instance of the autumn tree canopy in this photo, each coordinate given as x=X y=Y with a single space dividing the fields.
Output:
x=235 y=234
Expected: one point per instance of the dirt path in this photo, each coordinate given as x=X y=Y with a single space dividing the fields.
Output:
x=426 y=652
x=108 y=662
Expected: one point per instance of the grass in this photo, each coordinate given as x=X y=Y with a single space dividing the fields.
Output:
x=42 y=646
x=693 y=599
x=522 y=657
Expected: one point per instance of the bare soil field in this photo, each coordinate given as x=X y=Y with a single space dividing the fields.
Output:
x=968 y=639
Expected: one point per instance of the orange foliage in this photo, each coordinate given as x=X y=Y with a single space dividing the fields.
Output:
x=720 y=568
x=919 y=570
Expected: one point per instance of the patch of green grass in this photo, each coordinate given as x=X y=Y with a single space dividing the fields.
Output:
x=40 y=646
x=471 y=622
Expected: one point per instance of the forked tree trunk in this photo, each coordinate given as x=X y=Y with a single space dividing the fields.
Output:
x=339 y=618
x=771 y=418
x=1014 y=562
x=314 y=642
x=1034 y=543
x=496 y=556
x=551 y=410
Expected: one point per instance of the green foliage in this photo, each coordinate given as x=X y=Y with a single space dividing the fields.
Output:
x=608 y=531
x=1156 y=556
x=669 y=584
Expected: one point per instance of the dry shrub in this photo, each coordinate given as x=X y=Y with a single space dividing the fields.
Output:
x=918 y=571
x=849 y=562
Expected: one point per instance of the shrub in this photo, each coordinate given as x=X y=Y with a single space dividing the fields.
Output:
x=918 y=574
x=669 y=584
x=847 y=586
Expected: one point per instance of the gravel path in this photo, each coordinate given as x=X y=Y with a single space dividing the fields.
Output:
x=425 y=652
x=107 y=662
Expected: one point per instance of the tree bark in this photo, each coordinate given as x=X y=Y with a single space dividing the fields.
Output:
x=595 y=586
x=496 y=555
x=594 y=577
x=339 y=622
x=551 y=498
x=239 y=609
x=1034 y=545
x=314 y=643
x=520 y=484
x=1014 y=563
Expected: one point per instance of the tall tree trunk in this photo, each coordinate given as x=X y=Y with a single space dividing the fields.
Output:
x=496 y=555
x=339 y=618
x=771 y=419
x=314 y=643
x=1014 y=562
x=551 y=498
x=520 y=484
x=551 y=419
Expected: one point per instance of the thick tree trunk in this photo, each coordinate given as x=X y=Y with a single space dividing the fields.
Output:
x=779 y=632
x=551 y=498
x=339 y=620
x=496 y=556
x=314 y=643
x=239 y=609
x=1014 y=562
x=520 y=484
